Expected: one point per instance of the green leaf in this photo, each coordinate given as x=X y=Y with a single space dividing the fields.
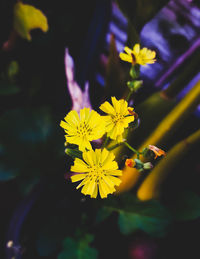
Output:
x=30 y=142
x=78 y=249
x=13 y=70
x=26 y=18
x=186 y=206
x=150 y=217
x=51 y=234
x=102 y=214
x=7 y=88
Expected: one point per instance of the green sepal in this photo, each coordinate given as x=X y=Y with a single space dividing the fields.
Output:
x=73 y=153
x=135 y=85
x=135 y=71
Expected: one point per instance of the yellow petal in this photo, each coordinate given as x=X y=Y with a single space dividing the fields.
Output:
x=85 y=188
x=125 y=57
x=72 y=118
x=107 y=108
x=79 y=166
x=116 y=181
x=95 y=192
x=77 y=177
x=104 y=190
x=88 y=157
x=136 y=49
x=85 y=181
x=128 y=50
x=114 y=172
x=116 y=104
x=63 y=124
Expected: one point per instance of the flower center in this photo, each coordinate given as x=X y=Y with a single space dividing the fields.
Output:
x=133 y=59
x=96 y=173
x=83 y=129
x=117 y=118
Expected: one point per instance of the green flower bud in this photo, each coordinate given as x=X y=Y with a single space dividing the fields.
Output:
x=73 y=153
x=147 y=166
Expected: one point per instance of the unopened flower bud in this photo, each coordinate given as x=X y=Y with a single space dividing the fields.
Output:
x=147 y=166
x=157 y=151
x=130 y=162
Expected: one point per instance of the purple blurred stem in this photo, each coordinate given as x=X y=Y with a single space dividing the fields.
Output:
x=178 y=62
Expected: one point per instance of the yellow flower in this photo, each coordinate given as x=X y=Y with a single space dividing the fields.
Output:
x=118 y=117
x=81 y=130
x=138 y=56
x=97 y=170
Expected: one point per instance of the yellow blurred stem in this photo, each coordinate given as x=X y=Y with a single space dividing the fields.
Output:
x=162 y=133
x=151 y=186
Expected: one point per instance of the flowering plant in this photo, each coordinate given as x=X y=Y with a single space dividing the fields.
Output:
x=106 y=168
x=97 y=168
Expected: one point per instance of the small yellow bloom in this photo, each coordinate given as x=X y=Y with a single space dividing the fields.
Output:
x=138 y=56
x=97 y=171
x=81 y=130
x=157 y=151
x=118 y=117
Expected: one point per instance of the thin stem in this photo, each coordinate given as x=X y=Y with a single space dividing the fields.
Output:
x=115 y=146
x=132 y=149
x=105 y=142
x=129 y=95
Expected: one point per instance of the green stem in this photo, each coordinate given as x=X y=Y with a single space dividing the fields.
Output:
x=105 y=142
x=132 y=149
x=129 y=95
x=115 y=146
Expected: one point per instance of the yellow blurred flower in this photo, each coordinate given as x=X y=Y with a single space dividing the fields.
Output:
x=80 y=130
x=97 y=171
x=157 y=151
x=138 y=56
x=118 y=117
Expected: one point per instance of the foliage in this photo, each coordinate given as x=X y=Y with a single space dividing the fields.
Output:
x=26 y=18
x=78 y=249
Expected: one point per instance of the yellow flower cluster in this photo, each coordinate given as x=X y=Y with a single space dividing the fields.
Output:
x=97 y=169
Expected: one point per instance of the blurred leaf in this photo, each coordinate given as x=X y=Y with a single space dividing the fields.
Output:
x=115 y=75
x=51 y=234
x=102 y=214
x=78 y=249
x=31 y=143
x=150 y=217
x=26 y=18
x=151 y=187
x=13 y=70
x=139 y=12
x=7 y=88
x=186 y=206
x=7 y=174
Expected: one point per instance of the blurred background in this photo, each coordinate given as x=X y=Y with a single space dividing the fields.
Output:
x=39 y=206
